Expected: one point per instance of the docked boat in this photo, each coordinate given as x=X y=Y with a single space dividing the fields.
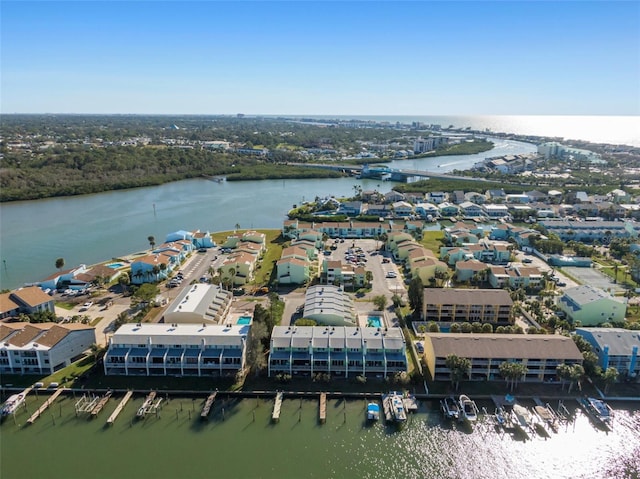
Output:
x=12 y=404
x=373 y=411
x=523 y=417
x=394 y=408
x=450 y=408
x=598 y=409
x=548 y=416
x=468 y=409
x=500 y=417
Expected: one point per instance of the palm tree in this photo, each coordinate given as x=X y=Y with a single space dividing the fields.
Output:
x=512 y=372
x=152 y=241
x=458 y=368
x=156 y=271
x=123 y=281
x=236 y=227
x=609 y=377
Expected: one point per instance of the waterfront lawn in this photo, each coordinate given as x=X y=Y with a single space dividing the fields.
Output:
x=432 y=240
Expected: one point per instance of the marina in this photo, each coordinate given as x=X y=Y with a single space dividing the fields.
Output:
x=430 y=447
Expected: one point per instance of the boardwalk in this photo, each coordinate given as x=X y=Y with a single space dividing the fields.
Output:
x=323 y=408
x=120 y=407
x=44 y=407
x=275 y=417
x=206 y=409
x=102 y=402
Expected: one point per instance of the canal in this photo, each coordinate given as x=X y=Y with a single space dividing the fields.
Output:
x=240 y=441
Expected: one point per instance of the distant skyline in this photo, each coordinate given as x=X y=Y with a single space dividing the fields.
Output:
x=321 y=58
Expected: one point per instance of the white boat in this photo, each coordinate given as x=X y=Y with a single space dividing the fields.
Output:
x=394 y=407
x=373 y=411
x=468 y=409
x=12 y=404
x=598 y=409
x=450 y=408
x=546 y=414
x=523 y=417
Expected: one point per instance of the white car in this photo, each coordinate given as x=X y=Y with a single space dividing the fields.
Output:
x=86 y=305
x=391 y=274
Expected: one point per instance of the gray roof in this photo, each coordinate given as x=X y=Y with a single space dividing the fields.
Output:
x=620 y=341
x=327 y=299
x=586 y=294
x=337 y=337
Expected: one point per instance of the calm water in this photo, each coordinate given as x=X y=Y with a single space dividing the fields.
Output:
x=177 y=446
x=623 y=130
x=93 y=228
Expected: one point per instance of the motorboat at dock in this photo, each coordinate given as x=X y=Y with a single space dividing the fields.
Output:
x=373 y=411
x=394 y=409
x=468 y=409
x=599 y=410
x=450 y=408
x=12 y=404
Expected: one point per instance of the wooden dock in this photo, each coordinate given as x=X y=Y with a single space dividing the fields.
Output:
x=206 y=409
x=120 y=407
x=323 y=408
x=44 y=407
x=275 y=416
x=102 y=402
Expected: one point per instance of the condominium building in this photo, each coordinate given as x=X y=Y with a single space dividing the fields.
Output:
x=591 y=306
x=329 y=305
x=42 y=348
x=616 y=348
x=462 y=305
x=161 y=349
x=540 y=353
x=340 y=351
x=199 y=303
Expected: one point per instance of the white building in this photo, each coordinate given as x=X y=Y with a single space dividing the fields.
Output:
x=162 y=349
x=329 y=305
x=42 y=348
x=341 y=351
x=199 y=303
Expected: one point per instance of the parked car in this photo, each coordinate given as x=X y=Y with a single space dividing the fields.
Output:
x=86 y=306
x=419 y=347
x=391 y=274
x=561 y=283
x=527 y=260
x=386 y=260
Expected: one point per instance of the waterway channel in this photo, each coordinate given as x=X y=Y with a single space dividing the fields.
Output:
x=93 y=228
x=240 y=441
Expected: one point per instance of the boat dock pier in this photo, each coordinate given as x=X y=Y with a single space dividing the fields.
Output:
x=410 y=403
x=120 y=407
x=275 y=416
x=101 y=403
x=323 y=408
x=86 y=403
x=206 y=409
x=44 y=407
x=147 y=405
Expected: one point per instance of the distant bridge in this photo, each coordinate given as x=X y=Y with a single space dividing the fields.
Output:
x=391 y=174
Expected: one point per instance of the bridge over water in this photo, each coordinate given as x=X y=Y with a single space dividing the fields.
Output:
x=386 y=173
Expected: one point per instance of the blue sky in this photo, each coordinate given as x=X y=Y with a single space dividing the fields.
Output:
x=304 y=57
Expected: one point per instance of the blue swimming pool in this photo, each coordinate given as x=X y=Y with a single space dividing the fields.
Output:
x=115 y=265
x=244 y=320
x=374 y=322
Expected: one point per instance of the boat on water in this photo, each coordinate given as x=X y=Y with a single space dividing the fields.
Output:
x=598 y=410
x=450 y=408
x=12 y=404
x=394 y=408
x=500 y=417
x=548 y=416
x=523 y=417
x=373 y=411
x=468 y=409
x=146 y=405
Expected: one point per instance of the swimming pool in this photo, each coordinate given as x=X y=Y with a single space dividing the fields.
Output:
x=115 y=265
x=244 y=320
x=374 y=322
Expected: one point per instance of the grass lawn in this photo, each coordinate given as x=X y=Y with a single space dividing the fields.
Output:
x=432 y=240
x=96 y=321
x=65 y=305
